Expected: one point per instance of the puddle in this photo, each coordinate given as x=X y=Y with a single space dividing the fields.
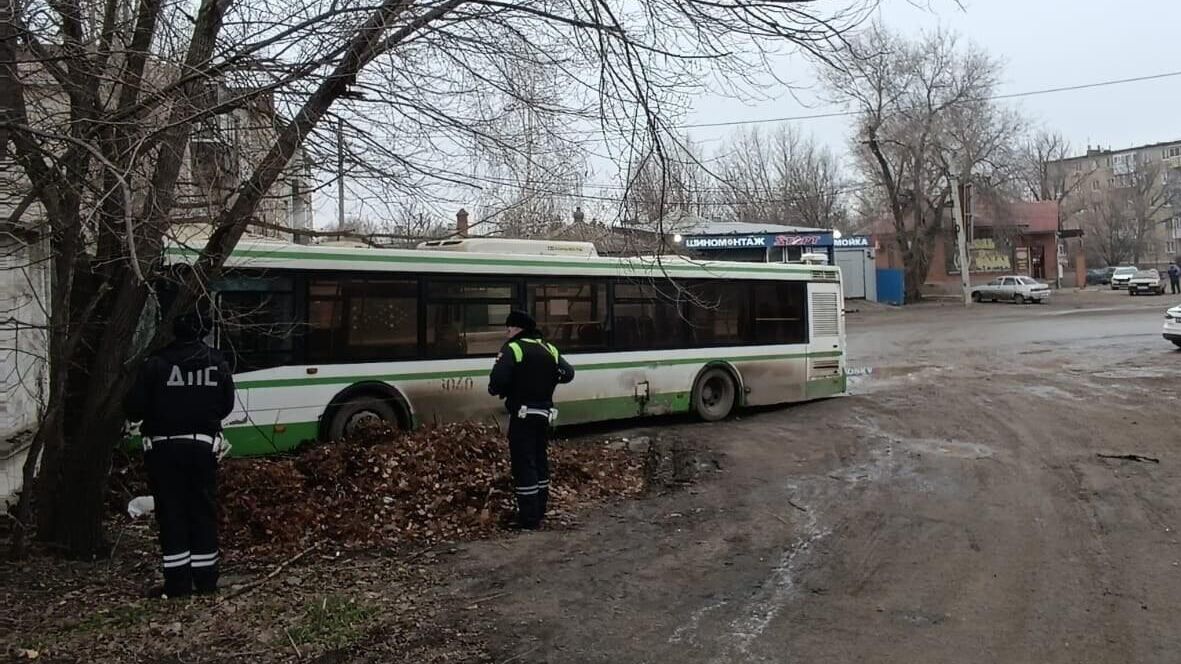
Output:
x=950 y=448
x=1050 y=392
x=864 y=376
x=1122 y=374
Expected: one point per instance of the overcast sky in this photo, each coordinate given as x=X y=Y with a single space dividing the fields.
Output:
x=1043 y=44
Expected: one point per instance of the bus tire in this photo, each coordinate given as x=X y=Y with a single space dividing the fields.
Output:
x=360 y=411
x=715 y=394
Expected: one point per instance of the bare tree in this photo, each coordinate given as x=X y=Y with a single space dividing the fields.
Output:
x=782 y=178
x=101 y=102
x=923 y=115
x=1112 y=231
x=1141 y=189
x=1043 y=176
x=670 y=182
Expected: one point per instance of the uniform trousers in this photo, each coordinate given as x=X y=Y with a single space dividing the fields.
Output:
x=183 y=478
x=528 y=438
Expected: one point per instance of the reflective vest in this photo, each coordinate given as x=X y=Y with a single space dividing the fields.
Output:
x=519 y=353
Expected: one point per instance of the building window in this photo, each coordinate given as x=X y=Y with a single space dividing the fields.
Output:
x=362 y=320
x=465 y=318
x=1094 y=185
x=572 y=314
x=780 y=312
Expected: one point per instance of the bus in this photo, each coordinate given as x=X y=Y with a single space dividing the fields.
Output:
x=326 y=338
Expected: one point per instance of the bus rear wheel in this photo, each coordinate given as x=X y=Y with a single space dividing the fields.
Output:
x=360 y=412
x=714 y=395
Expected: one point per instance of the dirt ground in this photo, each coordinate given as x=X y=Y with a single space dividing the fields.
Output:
x=955 y=508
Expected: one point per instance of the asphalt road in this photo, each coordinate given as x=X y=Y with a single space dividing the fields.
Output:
x=963 y=505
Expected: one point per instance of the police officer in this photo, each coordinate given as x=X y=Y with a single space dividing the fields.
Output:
x=526 y=372
x=182 y=394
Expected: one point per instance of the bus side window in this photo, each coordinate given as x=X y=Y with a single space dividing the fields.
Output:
x=362 y=319
x=256 y=321
x=647 y=315
x=780 y=312
x=571 y=313
x=466 y=318
x=717 y=312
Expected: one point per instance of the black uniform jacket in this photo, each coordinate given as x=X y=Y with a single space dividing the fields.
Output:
x=186 y=388
x=526 y=372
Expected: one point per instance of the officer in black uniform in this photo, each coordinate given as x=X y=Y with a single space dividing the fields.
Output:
x=182 y=394
x=526 y=372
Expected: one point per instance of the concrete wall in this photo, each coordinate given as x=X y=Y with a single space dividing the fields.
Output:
x=24 y=289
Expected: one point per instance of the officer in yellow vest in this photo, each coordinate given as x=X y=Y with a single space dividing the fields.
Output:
x=527 y=370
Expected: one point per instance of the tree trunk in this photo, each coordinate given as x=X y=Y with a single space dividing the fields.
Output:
x=917 y=267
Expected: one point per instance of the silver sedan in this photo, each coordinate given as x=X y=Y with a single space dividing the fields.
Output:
x=1012 y=289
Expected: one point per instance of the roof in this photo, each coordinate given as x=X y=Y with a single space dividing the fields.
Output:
x=1030 y=216
x=277 y=255
x=695 y=225
x=1103 y=151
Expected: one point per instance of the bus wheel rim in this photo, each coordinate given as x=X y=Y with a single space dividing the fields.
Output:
x=360 y=419
x=712 y=392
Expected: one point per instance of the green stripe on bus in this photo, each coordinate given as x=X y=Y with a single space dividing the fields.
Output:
x=432 y=257
x=825 y=387
x=435 y=375
x=257 y=440
x=260 y=440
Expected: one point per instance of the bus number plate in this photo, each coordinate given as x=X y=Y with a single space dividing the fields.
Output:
x=458 y=384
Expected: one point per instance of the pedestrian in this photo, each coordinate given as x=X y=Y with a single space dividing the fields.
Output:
x=1175 y=278
x=526 y=372
x=182 y=394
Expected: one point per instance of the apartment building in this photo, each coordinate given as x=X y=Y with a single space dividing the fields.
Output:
x=219 y=156
x=1115 y=190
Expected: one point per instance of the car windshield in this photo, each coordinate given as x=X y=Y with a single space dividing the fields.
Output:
x=1121 y=271
x=1027 y=281
x=1146 y=274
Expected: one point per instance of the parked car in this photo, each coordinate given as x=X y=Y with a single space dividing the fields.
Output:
x=1012 y=289
x=1122 y=275
x=1172 y=330
x=1099 y=276
x=1146 y=281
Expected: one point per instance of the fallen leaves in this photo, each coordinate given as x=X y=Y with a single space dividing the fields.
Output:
x=385 y=486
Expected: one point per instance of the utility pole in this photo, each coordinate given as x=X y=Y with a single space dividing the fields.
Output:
x=962 y=240
x=340 y=174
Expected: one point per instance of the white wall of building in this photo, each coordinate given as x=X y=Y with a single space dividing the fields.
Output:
x=24 y=319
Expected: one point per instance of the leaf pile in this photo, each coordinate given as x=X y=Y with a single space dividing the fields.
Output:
x=385 y=486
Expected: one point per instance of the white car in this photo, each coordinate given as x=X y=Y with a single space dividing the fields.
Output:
x=1172 y=330
x=1122 y=275
x=1146 y=281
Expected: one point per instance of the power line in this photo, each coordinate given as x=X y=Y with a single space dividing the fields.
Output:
x=1011 y=95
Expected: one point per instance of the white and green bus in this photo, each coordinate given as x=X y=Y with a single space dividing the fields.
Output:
x=326 y=338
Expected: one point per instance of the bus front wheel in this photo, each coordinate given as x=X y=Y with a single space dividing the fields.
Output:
x=714 y=395
x=358 y=413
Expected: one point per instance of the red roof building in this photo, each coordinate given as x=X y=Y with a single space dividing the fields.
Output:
x=1006 y=238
